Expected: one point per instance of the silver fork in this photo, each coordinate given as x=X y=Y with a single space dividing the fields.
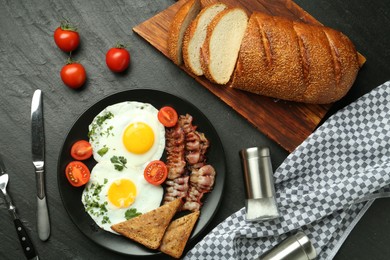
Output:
x=24 y=239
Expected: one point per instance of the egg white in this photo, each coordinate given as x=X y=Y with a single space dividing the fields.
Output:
x=95 y=194
x=106 y=130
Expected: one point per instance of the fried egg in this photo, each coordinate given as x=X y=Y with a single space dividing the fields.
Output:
x=111 y=195
x=128 y=130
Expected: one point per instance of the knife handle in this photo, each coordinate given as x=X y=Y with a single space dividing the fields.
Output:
x=25 y=241
x=43 y=221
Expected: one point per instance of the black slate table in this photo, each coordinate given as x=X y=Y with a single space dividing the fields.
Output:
x=30 y=60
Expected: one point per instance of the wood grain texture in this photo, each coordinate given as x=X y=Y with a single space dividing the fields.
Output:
x=287 y=123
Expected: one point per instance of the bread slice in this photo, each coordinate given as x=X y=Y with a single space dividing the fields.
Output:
x=295 y=61
x=148 y=229
x=195 y=36
x=220 y=49
x=184 y=16
x=177 y=235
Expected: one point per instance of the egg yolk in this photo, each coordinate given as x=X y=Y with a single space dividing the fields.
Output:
x=122 y=193
x=138 y=138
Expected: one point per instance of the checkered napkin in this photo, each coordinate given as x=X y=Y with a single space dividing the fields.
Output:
x=323 y=188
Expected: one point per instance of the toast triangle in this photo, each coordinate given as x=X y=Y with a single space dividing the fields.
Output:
x=148 y=229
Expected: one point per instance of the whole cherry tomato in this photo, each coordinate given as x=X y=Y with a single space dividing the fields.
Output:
x=118 y=58
x=66 y=37
x=73 y=75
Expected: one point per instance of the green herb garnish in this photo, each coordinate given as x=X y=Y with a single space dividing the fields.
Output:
x=103 y=151
x=103 y=208
x=97 y=124
x=91 y=202
x=97 y=190
x=108 y=131
x=119 y=162
x=131 y=213
x=106 y=220
x=101 y=119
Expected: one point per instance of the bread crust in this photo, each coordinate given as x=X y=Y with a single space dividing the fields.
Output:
x=189 y=34
x=177 y=234
x=186 y=13
x=295 y=61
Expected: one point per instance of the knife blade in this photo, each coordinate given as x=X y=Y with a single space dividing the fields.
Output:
x=24 y=239
x=38 y=157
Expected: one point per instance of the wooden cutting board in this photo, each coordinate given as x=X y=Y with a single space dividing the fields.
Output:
x=287 y=123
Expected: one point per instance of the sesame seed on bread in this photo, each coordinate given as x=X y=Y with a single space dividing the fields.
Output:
x=295 y=61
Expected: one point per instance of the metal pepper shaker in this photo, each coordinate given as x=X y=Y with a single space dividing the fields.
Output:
x=260 y=200
x=295 y=247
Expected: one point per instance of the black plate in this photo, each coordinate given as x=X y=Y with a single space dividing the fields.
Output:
x=71 y=196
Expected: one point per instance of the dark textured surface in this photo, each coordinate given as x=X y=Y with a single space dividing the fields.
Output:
x=29 y=60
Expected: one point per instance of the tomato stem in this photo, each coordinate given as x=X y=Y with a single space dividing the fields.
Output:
x=121 y=45
x=67 y=26
x=70 y=60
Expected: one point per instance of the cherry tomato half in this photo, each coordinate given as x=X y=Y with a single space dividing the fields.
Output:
x=156 y=172
x=77 y=173
x=73 y=75
x=66 y=37
x=117 y=59
x=81 y=150
x=167 y=116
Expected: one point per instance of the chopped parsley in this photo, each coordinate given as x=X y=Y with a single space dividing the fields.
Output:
x=119 y=162
x=106 y=220
x=100 y=119
x=97 y=190
x=131 y=213
x=91 y=202
x=103 y=151
x=108 y=131
x=97 y=124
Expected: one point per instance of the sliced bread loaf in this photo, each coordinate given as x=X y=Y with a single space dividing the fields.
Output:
x=295 y=61
x=195 y=36
x=180 y=22
x=223 y=39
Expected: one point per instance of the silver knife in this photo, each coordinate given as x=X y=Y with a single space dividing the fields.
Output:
x=25 y=241
x=38 y=157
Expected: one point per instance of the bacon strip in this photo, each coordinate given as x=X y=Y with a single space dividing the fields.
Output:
x=188 y=175
x=201 y=182
x=196 y=143
x=175 y=145
x=177 y=183
x=176 y=188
